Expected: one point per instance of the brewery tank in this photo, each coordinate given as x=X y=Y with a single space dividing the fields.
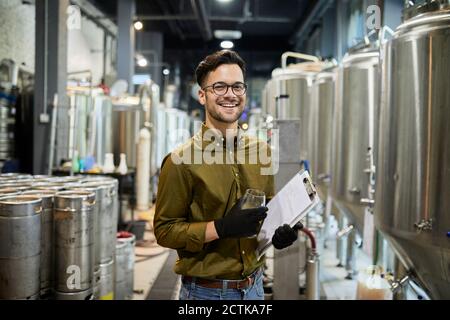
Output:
x=324 y=108
x=413 y=171
x=292 y=89
x=355 y=130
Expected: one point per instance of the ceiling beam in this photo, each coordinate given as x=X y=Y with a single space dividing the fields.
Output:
x=198 y=6
x=172 y=24
x=215 y=18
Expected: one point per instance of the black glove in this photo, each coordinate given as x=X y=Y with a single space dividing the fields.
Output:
x=285 y=235
x=239 y=223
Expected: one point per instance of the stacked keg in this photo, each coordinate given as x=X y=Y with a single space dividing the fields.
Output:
x=74 y=244
x=125 y=266
x=47 y=232
x=106 y=227
x=20 y=247
x=68 y=250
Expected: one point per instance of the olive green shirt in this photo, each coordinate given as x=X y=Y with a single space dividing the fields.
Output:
x=192 y=192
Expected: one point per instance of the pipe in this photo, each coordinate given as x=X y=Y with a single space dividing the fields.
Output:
x=143 y=170
x=312 y=277
x=312 y=266
x=311 y=237
x=52 y=134
x=297 y=55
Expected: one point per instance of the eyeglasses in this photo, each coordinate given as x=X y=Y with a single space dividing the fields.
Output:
x=221 y=88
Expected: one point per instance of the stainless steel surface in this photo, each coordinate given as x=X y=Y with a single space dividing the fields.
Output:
x=47 y=186
x=81 y=295
x=355 y=131
x=312 y=278
x=413 y=171
x=104 y=281
x=74 y=241
x=324 y=88
x=293 y=97
x=20 y=246
x=128 y=121
x=47 y=230
x=414 y=8
x=8 y=191
x=106 y=227
x=124 y=283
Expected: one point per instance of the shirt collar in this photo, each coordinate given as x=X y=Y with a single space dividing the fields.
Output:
x=215 y=136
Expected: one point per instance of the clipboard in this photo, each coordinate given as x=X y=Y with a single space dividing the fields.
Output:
x=291 y=204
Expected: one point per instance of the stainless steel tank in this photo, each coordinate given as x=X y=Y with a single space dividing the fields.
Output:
x=104 y=281
x=128 y=120
x=74 y=241
x=47 y=243
x=413 y=171
x=355 y=131
x=324 y=87
x=20 y=247
x=125 y=266
x=293 y=99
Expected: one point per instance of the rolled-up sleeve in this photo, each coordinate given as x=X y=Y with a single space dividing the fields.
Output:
x=172 y=209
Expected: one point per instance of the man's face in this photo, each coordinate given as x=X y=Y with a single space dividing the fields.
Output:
x=229 y=107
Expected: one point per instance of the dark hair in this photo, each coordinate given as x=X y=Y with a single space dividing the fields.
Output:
x=213 y=61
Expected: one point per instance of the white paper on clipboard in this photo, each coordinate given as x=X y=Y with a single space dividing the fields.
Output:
x=289 y=206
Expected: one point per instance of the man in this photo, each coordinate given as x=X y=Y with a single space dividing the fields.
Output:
x=198 y=206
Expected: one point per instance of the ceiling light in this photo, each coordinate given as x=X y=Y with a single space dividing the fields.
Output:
x=227 y=44
x=142 y=62
x=138 y=25
x=224 y=1
x=166 y=72
x=227 y=34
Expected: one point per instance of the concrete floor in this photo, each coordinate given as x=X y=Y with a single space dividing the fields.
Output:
x=151 y=258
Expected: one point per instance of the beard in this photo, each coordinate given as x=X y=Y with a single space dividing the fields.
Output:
x=213 y=110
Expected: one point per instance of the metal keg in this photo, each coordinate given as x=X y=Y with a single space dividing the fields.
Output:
x=16 y=185
x=107 y=225
x=125 y=266
x=104 y=281
x=65 y=179
x=47 y=229
x=47 y=186
x=74 y=241
x=6 y=192
x=42 y=178
x=20 y=246
x=10 y=175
